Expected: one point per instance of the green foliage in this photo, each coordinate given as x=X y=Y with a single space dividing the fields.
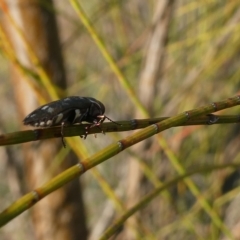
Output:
x=105 y=48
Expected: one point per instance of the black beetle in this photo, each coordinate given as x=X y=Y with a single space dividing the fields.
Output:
x=68 y=111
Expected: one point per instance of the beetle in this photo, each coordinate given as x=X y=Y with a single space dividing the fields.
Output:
x=68 y=111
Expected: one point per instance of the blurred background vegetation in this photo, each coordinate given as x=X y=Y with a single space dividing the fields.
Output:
x=153 y=59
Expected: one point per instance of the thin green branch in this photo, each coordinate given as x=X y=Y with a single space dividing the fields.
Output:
x=134 y=124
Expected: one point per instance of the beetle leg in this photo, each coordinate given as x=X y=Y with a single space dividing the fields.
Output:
x=86 y=131
x=63 y=142
x=97 y=124
x=79 y=120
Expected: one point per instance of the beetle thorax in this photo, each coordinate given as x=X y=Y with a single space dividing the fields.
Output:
x=96 y=109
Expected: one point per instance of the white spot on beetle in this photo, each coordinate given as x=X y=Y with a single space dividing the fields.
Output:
x=42 y=124
x=31 y=116
x=49 y=122
x=45 y=107
x=59 y=118
x=66 y=99
x=77 y=114
x=50 y=110
x=36 y=124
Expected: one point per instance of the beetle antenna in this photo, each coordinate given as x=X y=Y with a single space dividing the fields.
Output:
x=112 y=120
